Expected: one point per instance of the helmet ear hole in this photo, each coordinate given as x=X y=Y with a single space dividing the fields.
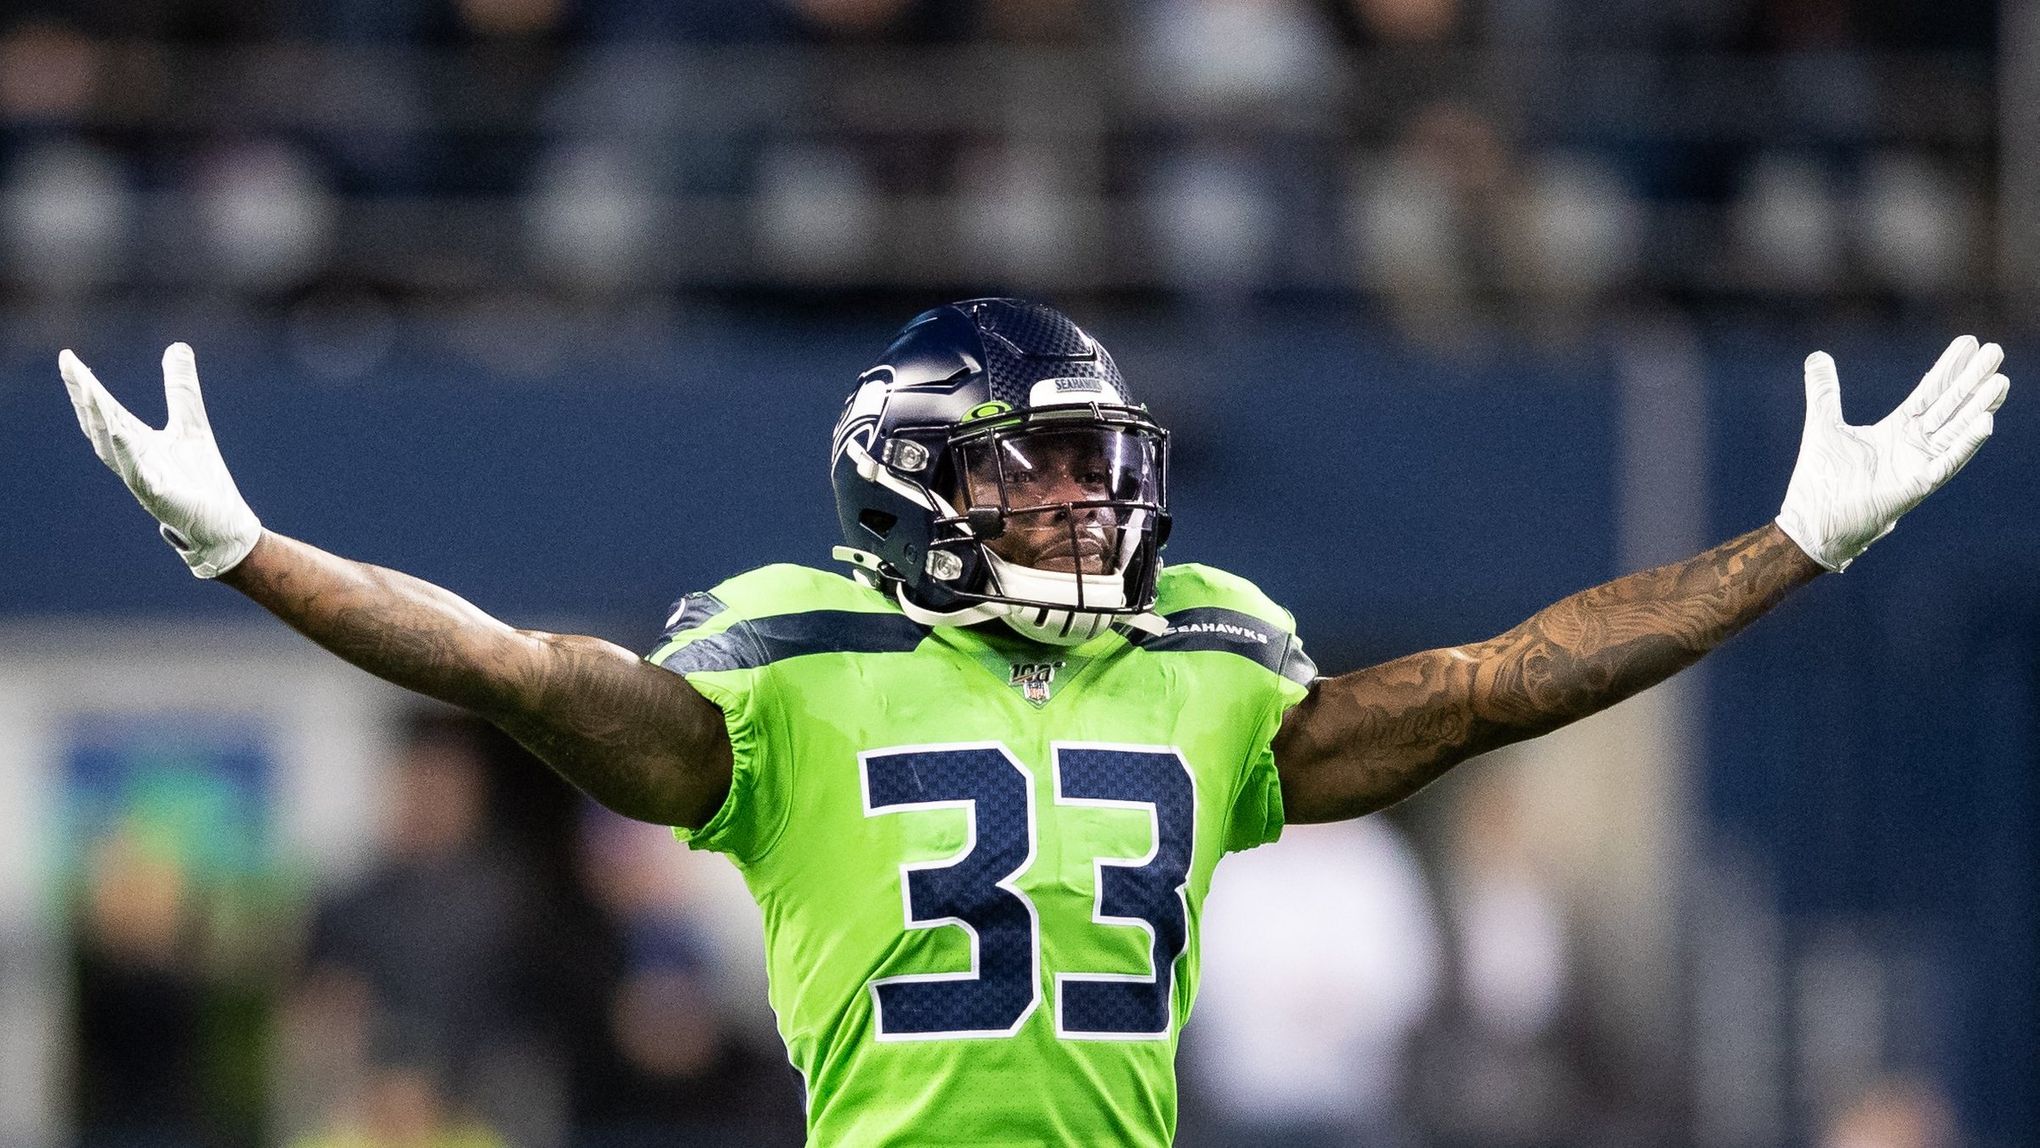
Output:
x=877 y=521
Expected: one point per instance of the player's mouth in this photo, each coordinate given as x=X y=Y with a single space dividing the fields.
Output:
x=1089 y=554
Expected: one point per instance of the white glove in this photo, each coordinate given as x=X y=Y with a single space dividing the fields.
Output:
x=1852 y=483
x=176 y=473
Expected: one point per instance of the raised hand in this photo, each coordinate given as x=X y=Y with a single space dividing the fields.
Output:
x=176 y=473
x=1851 y=483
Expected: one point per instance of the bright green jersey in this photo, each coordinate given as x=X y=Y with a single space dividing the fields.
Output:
x=981 y=860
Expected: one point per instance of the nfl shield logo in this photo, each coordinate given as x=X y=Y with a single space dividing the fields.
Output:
x=1034 y=680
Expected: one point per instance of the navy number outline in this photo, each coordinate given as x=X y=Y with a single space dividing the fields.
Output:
x=1149 y=892
x=1085 y=776
x=905 y=989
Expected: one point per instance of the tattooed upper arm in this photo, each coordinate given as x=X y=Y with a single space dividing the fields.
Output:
x=1363 y=741
x=637 y=738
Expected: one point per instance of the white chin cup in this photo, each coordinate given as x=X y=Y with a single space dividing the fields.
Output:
x=1057 y=627
x=1044 y=591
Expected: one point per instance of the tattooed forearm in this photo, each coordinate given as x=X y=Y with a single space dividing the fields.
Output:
x=1366 y=740
x=394 y=626
x=636 y=738
x=1589 y=651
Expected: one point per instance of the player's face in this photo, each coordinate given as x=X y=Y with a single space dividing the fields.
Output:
x=1043 y=474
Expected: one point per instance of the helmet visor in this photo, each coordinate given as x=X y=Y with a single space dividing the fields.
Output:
x=1061 y=498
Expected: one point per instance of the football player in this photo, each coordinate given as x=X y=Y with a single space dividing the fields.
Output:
x=979 y=785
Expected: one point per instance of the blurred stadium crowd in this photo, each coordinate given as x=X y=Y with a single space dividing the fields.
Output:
x=1445 y=157
x=515 y=967
x=511 y=961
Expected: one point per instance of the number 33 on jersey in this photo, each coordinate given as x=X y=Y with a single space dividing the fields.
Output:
x=981 y=861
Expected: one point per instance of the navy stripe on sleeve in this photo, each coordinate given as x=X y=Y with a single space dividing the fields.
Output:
x=762 y=641
x=1232 y=632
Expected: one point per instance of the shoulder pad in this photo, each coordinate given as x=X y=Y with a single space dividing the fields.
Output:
x=1193 y=585
x=1209 y=609
x=781 y=588
x=778 y=612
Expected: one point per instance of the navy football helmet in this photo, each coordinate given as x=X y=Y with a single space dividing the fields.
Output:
x=997 y=419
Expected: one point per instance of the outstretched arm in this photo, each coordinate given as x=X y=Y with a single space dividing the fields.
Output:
x=635 y=737
x=1363 y=741
x=1366 y=740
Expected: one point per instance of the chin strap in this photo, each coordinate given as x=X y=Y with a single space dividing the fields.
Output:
x=1054 y=628
x=870 y=570
x=968 y=616
x=1046 y=625
x=865 y=566
x=1151 y=624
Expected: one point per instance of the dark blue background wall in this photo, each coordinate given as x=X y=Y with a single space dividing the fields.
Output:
x=1386 y=494
x=1877 y=741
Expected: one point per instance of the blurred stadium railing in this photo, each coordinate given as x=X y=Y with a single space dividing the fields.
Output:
x=1446 y=171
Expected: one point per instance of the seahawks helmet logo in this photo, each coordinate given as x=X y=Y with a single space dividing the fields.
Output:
x=859 y=423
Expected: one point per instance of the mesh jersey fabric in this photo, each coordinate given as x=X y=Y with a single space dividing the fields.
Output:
x=973 y=852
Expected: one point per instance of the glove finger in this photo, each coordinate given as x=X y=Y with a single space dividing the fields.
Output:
x=1967 y=441
x=1937 y=378
x=1943 y=408
x=1987 y=397
x=90 y=401
x=95 y=429
x=1823 y=391
x=1980 y=366
x=69 y=367
x=180 y=391
x=119 y=420
x=1972 y=375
